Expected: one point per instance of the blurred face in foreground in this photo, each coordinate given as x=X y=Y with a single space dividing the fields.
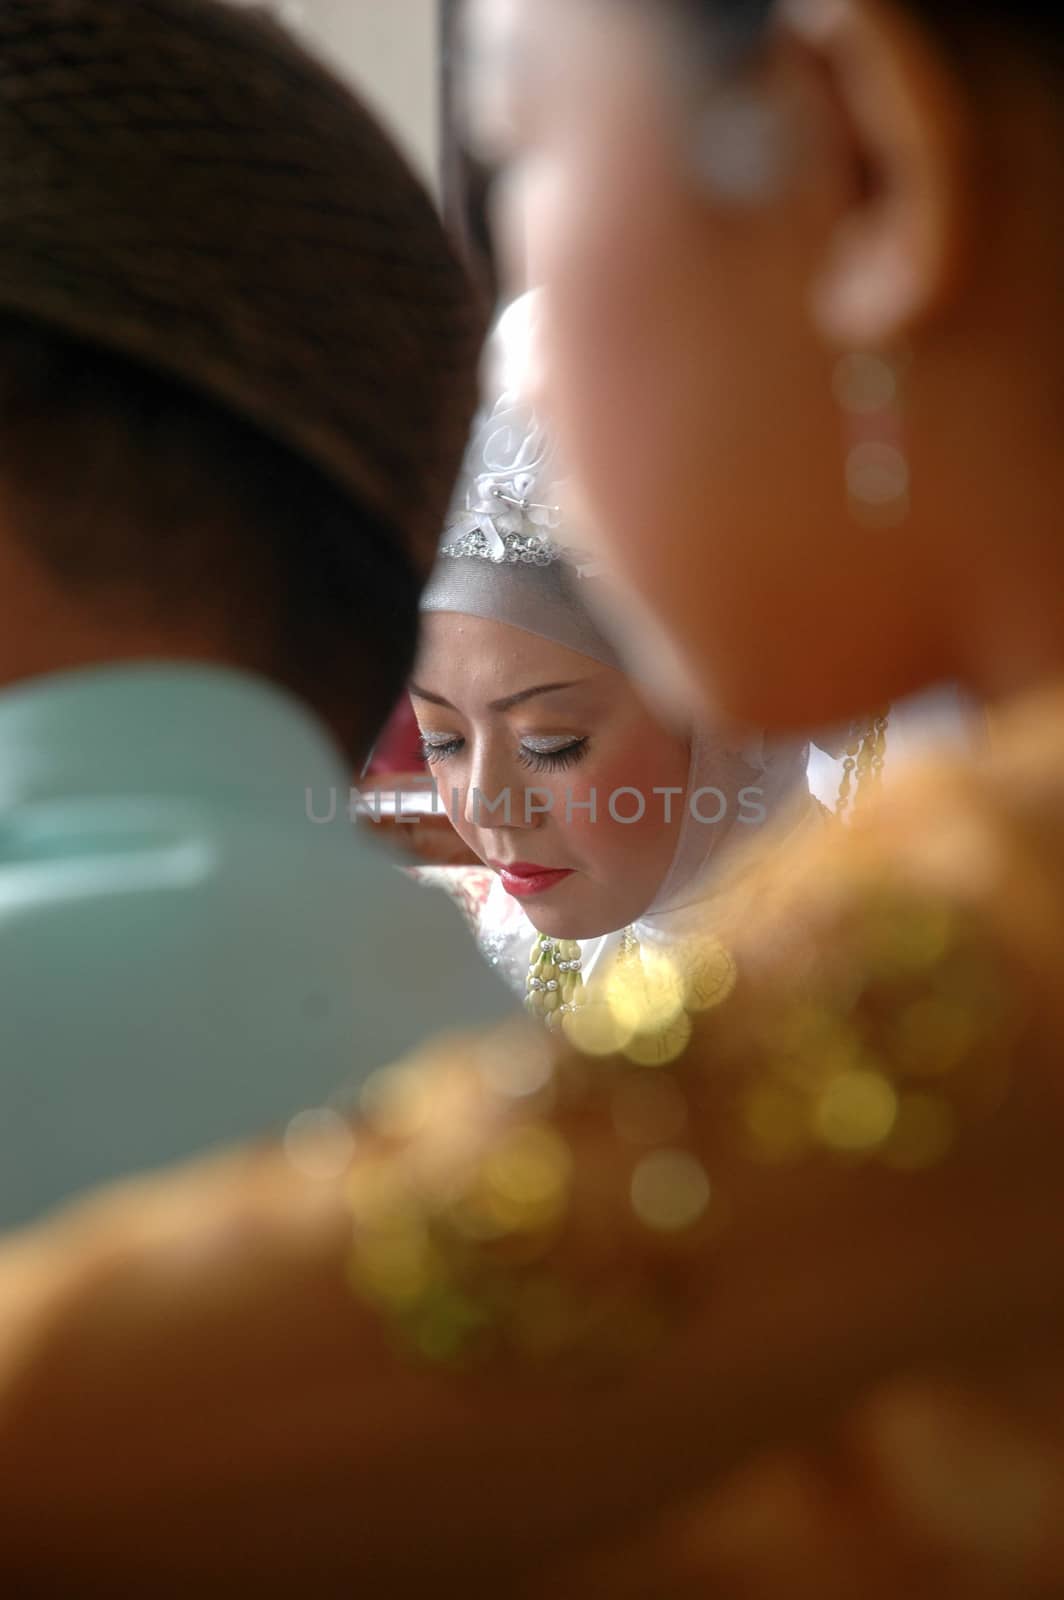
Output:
x=784 y=347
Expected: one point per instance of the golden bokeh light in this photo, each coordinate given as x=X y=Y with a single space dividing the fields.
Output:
x=595 y=1030
x=526 y=1177
x=397 y=1101
x=856 y=1110
x=670 y=1190
x=708 y=972
x=645 y=996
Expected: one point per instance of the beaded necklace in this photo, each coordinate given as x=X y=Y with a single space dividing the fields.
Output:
x=555 y=983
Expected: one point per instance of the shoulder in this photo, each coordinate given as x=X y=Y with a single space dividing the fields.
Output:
x=978 y=840
x=896 y=977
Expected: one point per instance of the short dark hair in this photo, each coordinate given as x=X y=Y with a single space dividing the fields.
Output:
x=116 y=476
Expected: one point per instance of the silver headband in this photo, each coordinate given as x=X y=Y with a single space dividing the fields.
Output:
x=497 y=558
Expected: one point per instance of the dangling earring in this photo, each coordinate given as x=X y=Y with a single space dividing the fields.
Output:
x=862 y=767
x=868 y=388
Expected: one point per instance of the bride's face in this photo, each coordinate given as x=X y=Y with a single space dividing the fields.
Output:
x=547 y=763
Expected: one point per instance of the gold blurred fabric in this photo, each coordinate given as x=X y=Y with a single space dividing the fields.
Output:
x=601 y=1279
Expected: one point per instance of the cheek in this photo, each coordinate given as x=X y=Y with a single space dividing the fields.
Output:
x=605 y=242
x=451 y=799
x=580 y=250
x=693 y=394
x=537 y=800
x=632 y=842
x=546 y=799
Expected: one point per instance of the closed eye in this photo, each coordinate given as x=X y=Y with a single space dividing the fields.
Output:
x=552 y=758
x=435 y=747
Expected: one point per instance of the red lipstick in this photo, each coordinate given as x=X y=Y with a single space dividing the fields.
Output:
x=524 y=879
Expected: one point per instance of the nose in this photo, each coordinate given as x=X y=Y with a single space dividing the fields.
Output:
x=495 y=798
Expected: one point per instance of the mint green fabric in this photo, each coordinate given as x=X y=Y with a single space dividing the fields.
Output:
x=185 y=955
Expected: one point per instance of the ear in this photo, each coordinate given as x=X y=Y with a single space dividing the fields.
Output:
x=898 y=245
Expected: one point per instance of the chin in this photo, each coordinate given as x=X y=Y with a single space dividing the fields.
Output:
x=572 y=922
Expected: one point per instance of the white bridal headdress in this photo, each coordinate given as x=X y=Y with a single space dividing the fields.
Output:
x=501 y=555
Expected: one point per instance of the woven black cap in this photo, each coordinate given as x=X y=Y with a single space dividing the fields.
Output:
x=182 y=183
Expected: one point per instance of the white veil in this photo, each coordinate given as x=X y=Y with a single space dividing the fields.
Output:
x=505 y=555
x=508 y=553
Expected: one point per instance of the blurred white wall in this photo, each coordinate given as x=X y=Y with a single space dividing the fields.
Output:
x=389 y=49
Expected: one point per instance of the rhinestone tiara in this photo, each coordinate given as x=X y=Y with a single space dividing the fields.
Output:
x=503 y=532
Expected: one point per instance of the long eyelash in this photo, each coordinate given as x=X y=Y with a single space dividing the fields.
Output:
x=556 y=760
x=431 y=753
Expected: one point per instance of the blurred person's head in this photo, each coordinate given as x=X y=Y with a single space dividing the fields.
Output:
x=236 y=357
x=803 y=265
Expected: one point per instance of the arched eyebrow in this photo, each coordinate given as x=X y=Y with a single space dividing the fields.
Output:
x=507 y=703
x=511 y=700
x=424 y=694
